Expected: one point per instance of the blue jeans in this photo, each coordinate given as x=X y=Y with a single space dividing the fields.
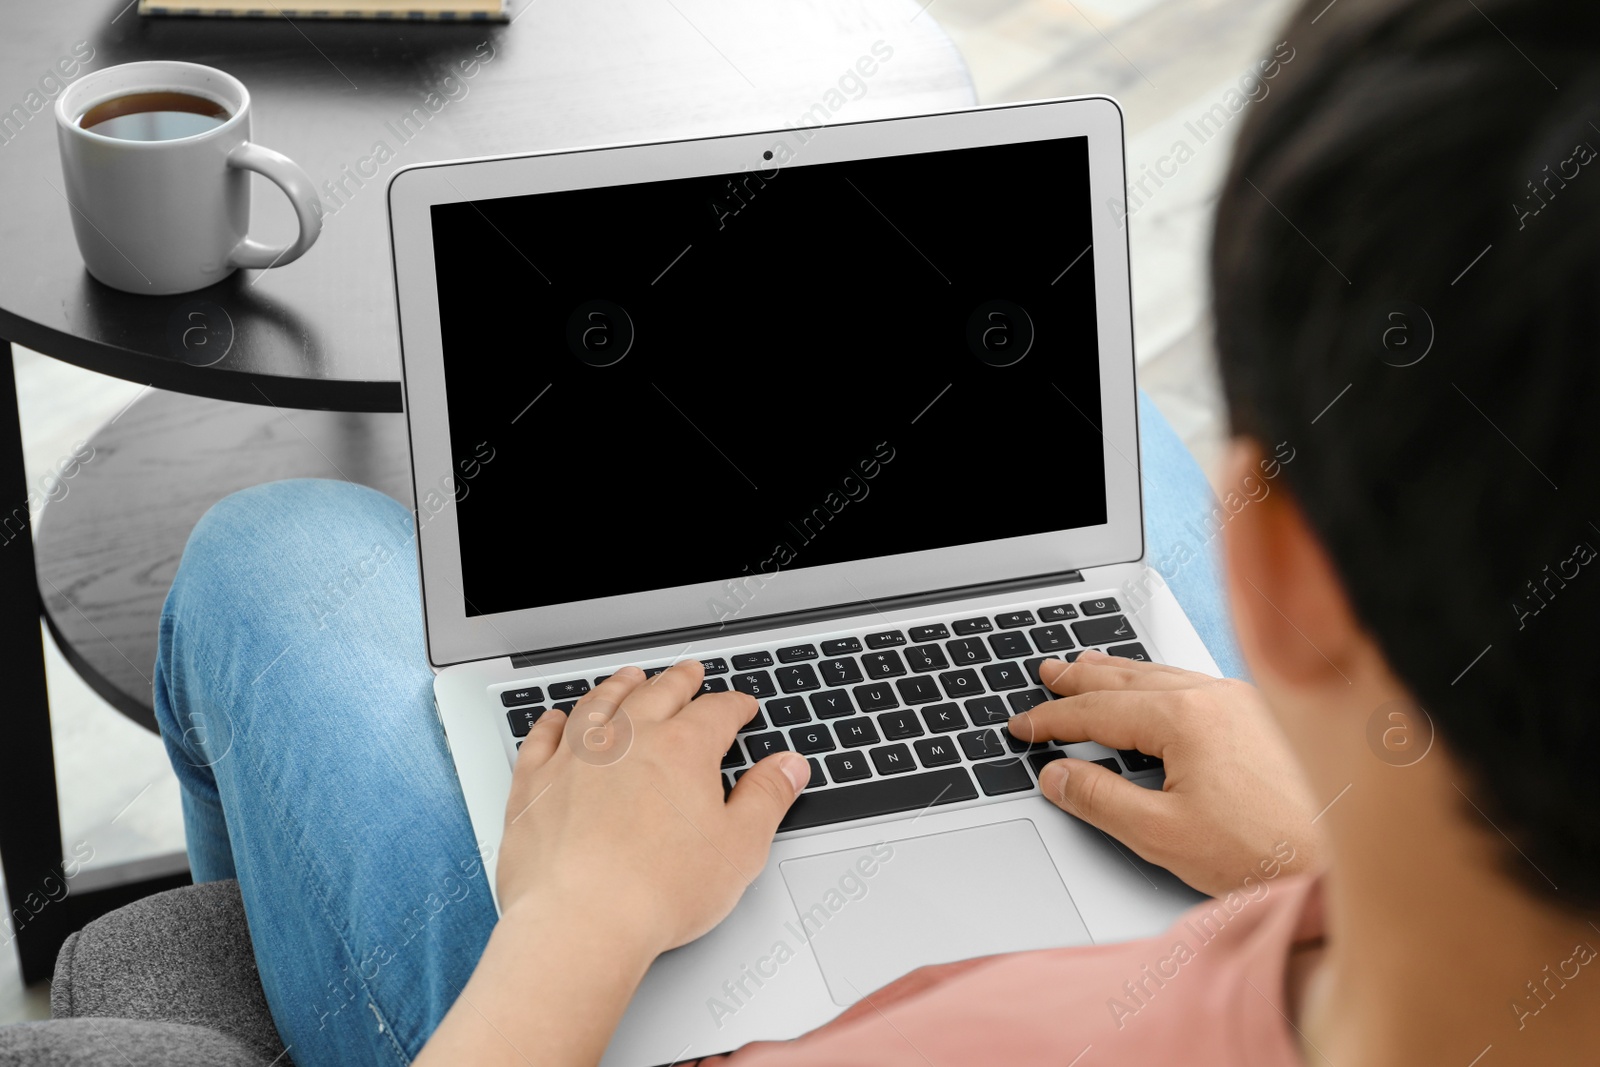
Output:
x=294 y=697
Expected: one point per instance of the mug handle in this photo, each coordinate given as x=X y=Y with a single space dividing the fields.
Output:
x=296 y=184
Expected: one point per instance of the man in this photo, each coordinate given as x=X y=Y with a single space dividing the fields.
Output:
x=1399 y=823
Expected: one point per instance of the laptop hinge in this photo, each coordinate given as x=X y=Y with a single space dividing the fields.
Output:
x=791 y=618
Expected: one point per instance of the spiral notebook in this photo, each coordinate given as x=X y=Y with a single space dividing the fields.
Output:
x=424 y=10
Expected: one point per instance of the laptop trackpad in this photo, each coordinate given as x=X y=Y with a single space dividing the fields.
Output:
x=874 y=914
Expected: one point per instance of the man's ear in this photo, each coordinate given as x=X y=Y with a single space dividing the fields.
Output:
x=1290 y=610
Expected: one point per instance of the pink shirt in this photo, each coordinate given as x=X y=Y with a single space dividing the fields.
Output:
x=1210 y=990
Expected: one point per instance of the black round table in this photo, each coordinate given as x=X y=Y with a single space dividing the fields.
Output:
x=300 y=364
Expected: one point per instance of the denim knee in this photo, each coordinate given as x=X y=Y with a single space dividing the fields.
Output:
x=292 y=531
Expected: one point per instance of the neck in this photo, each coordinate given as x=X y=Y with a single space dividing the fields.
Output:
x=1436 y=953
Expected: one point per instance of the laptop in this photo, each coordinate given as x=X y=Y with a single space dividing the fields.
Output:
x=871 y=387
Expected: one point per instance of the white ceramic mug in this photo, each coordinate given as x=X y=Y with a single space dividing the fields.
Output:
x=169 y=216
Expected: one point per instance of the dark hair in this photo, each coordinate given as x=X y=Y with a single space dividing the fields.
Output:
x=1417 y=178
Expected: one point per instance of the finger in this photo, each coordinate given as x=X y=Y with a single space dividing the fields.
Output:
x=600 y=703
x=764 y=793
x=1094 y=669
x=540 y=744
x=665 y=695
x=725 y=714
x=1102 y=799
x=1130 y=719
x=1095 y=657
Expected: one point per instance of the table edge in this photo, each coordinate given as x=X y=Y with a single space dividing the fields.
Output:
x=245 y=387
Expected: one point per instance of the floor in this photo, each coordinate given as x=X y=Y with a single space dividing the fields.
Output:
x=1167 y=62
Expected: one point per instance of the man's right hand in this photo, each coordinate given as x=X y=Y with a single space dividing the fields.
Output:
x=1233 y=795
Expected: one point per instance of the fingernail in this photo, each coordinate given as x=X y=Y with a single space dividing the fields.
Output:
x=797 y=770
x=1092 y=653
x=1057 y=769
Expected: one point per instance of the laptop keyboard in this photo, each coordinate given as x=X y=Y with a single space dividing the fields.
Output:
x=896 y=720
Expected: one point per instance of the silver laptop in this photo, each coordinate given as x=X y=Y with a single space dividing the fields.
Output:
x=875 y=385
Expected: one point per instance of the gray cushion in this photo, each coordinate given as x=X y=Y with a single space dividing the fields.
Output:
x=183 y=956
x=122 y=1043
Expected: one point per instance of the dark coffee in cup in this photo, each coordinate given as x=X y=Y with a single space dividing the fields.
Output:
x=154 y=116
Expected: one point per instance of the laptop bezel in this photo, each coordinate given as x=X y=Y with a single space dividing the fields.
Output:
x=454 y=636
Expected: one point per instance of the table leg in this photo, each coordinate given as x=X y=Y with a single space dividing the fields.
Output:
x=30 y=826
x=43 y=904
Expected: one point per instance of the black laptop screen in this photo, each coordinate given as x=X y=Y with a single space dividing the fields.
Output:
x=686 y=381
